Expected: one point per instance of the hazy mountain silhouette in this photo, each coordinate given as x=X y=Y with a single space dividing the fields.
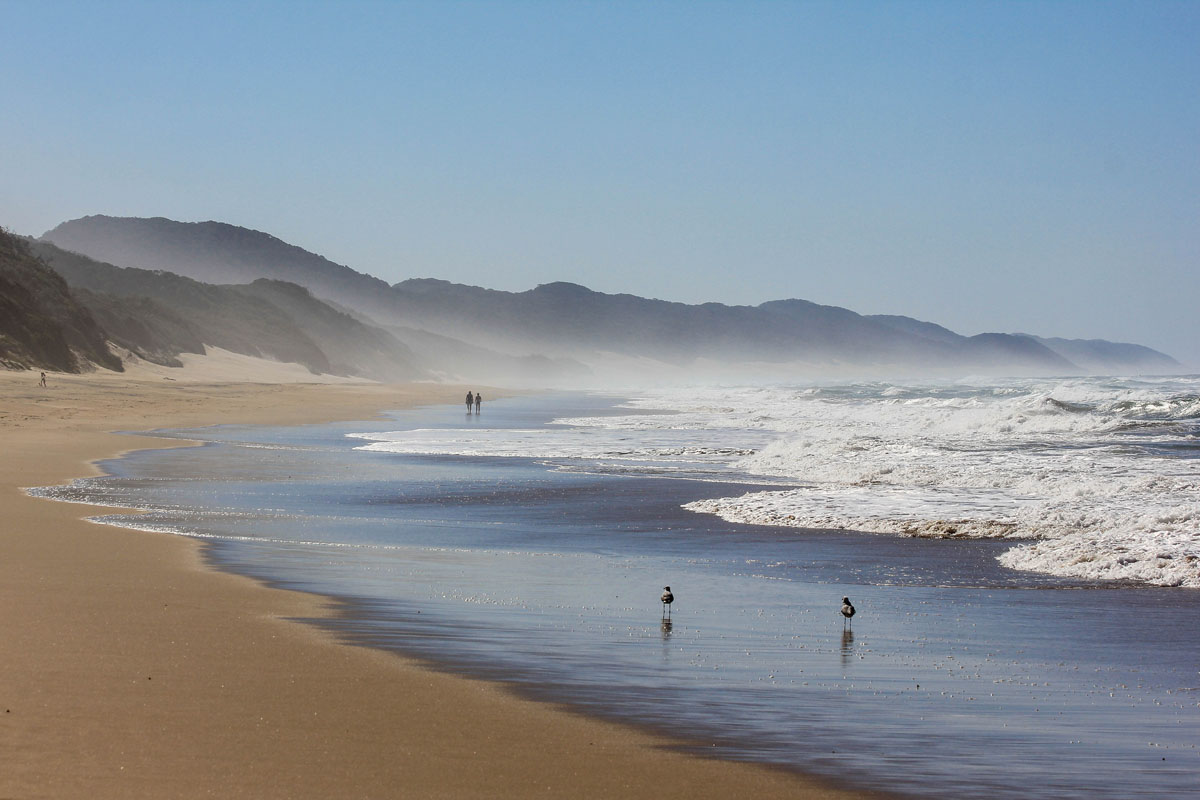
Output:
x=159 y=315
x=211 y=252
x=1091 y=355
x=42 y=325
x=565 y=320
x=1101 y=356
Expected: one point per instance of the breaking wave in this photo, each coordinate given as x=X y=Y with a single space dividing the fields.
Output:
x=1102 y=476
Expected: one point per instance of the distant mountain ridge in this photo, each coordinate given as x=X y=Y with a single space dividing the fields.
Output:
x=1101 y=356
x=565 y=320
x=570 y=318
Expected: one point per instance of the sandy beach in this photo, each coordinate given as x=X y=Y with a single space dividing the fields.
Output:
x=128 y=668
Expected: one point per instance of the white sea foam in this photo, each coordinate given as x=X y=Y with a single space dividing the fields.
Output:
x=1103 y=473
x=588 y=443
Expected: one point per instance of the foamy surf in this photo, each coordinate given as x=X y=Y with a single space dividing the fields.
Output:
x=1103 y=474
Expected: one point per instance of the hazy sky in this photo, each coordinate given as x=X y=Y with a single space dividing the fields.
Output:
x=1012 y=166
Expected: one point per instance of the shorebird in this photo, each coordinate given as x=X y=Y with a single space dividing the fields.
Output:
x=667 y=599
x=847 y=611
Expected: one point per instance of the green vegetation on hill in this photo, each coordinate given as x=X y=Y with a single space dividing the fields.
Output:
x=353 y=347
x=143 y=326
x=42 y=326
x=213 y=252
x=159 y=315
x=218 y=315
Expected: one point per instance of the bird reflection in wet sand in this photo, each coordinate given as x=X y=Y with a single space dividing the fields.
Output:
x=847 y=646
x=667 y=625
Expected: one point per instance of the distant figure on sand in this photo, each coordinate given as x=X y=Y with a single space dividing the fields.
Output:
x=478 y=402
x=42 y=382
x=847 y=612
x=667 y=598
x=470 y=401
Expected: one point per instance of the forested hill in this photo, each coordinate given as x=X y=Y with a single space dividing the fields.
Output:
x=160 y=315
x=42 y=324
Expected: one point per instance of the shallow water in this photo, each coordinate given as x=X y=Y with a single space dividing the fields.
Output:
x=960 y=677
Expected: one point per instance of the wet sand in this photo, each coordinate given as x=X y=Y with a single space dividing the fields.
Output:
x=128 y=668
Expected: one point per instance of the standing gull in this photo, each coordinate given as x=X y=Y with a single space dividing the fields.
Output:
x=667 y=599
x=847 y=611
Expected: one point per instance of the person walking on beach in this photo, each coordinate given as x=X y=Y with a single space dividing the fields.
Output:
x=478 y=402
x=470 y=401
x=42 y=382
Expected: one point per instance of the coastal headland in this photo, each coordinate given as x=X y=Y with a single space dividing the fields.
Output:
x=129 y=668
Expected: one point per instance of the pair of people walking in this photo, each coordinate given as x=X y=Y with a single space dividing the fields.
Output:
x=476 y=400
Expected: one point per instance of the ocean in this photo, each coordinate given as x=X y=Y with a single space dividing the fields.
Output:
x=1023 y=554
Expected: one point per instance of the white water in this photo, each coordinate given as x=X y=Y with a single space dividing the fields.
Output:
x=1101 y=475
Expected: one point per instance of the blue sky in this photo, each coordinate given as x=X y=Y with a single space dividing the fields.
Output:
x=987 y=166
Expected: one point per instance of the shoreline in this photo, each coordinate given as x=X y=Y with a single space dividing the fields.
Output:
x=135 y=668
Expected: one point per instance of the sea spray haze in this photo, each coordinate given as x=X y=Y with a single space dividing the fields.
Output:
x=1101 y=475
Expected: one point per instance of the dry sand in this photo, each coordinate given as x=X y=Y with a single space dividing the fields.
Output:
x=129 y=669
